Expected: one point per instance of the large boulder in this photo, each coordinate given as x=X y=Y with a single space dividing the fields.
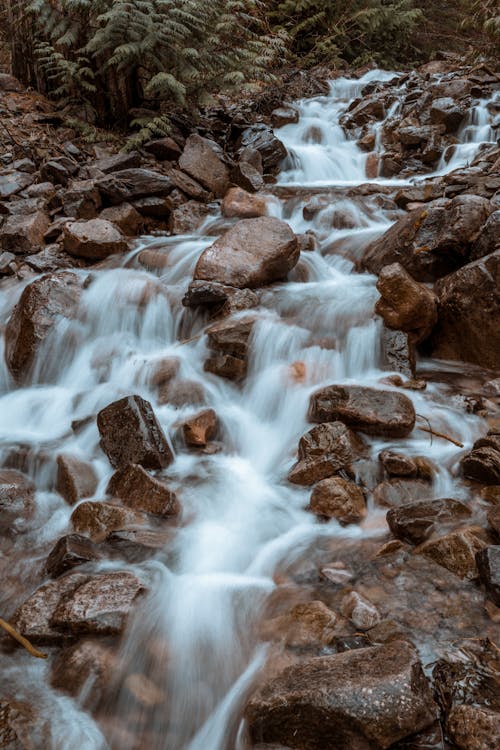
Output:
x=468 y=325
x=131 y=434
x=243 y=205
x=404 y=304
x=42 y=303
x=364 y=699
x=432 y=242
x=94 y=239
x=370 y=410
x=24 y=234
x=323 y=451
x=252 y=253
x=129 y=184
x=202 y=160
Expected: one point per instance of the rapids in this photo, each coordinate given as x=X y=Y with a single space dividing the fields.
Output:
x=196 y=634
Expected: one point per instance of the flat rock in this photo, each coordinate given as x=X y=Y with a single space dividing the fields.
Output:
x=415 y=522
x=95 y=239
x=201 y=160
x=141 y=491
x=137 y=545
x=401 y=491
x=125 y=217
x=118 y=162
x=13 y=182
x=98 y=519
x=307 y=625
x=129 y=184
x=457 y=551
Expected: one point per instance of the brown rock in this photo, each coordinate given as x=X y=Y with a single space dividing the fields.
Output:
x=248 y=176
x=164 y=149
x=201 y=428
x=361 y=112
x=98 y=519
x=125 y=217
x=488 y=565
x=81 y=199
x=59 y=170
x=362 y=613
x=182 y=393
x=85 y=666
x=373 y=411
x=187 y=185
x=447 y=112
x=188 y=217
x=129 y=184
x=398 y=352
x=357 y=700
x=75 y=479
x=260 y=137
x=284 y=116
x=137 y=545
x=69 y=552
x=489 y=238
x=252 y=253
x=13 y=183
x=201 y=159
x=21 y=726
x=239 y=203
x=306 y=625
x=231 y=336
x=99 y=606
x=457 y=551
x=140 y=491
x=118 y=162
x=372 y=166
x=131 y=434
x=397 y=464
x=337 y=498
x=23 y=234
x=154 y=207
x=226 y=366
x=398 y=492
x=415 y=522
x=17 y=500
x=494 y=518
x=323 y=451
x=95 y=239
x=467 y=330
x=474 y=727
x=405 y=304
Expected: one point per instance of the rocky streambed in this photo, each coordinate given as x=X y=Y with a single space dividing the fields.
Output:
x=250 y=426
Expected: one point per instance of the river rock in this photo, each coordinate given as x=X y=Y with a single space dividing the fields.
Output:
x=432 y=242
x=95 y=239
x=17 y=500
x=284 y=116
x=373 y=411
x=22 y=727
x=467 y=330
x=252 y=253
x=131 y=434
x=335 y=497
x=229 y=341
x=362 y=111
x=202 y=160
x=474 y=727
x=143 y=492
x=23 y=234
x=398 y=352
x=85 y=666
x=260 y=137
x=69 y=552
x=397 y=464
x=180 y=392
x=129 y=184
x=358 y=700
x=362 y=613
x=323 y=451
x=405 y=304
x=415 y=522
x=248 y=177
x=188 y=217
x=125 y=217
x=457 y=551
x=307 y=625
x=200 y=428
x=397 y=492
x=42 y=303
x=482 y=464
x=489 y=238
x=238 y=203
x=164 y=149
x=488 y=565
x=99 y=606
x=446 y=111
x=76 y=479
x=493 y=516
x=137 y=545
x=98 y=519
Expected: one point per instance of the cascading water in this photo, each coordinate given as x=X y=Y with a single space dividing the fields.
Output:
x=196 y=637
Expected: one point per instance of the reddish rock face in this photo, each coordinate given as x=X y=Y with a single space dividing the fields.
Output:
x=125 y=217
x=239 y=203
x=140 y=491
x=372 y=411
x=98 y=519
x=42 y=303
x=69 y=552
x=358 y=700
x=131 y=434
x=323 y=451
x=17 y=500
x=252 y=253
x=466 y=329
x=201 y=428
x=405 y=304
x=202 y=161
x=362 y=613
x=23 y=234
x=94 y=239
x=457 y=551
x=415 y=522
x=337 y=498
x=75 y=479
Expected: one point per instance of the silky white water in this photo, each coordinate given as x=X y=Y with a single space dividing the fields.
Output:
x=241 y=519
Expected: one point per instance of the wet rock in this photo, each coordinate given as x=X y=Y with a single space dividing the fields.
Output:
x=163 y=371
x=24 y=234
x=284 y=116
x=229 y=340
x=261 y=138
x=200 y=428
x=415 y=522
x=397 y=464
x=226 y=366
x=76 y=479
x=337 y=498
x=98 y=519
x=323 y=451
x=127 y=185
x=17 y=500
x=489 y=238
x=86 y=666
x=164 y=149
x=307 y=625
x=21 y=726
x=457 y=551
x=125 y=217
x=118 y=162
x=474 y=727
x=13 y=182
x=95 y=239
x=247 y=177
x=370 y=410
x=494 y=518
x=7 y=263
x=398 y=492
x=137 y=545
x=131 y=434
x=386 y=631
x=69 y=552
x=59 y=170
x=467 y=330
x=362 y=613
x=432 y=242
x=446 y=111
x=188 y=217
x=357 y=700
x=239 y=203
x=398 y=352
x=188 y=186
x=143 y=492
x=33 y=619
x=201 y=160
x=488 y=565
x=81 y=200
x=252 y=253
x=361 y=112
x=482 y=464
x=41 y=305
x=182 y=393
x=405 y=304
x=100 y=606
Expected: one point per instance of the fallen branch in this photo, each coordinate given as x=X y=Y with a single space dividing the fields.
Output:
x=20 y=639
x=441 y=435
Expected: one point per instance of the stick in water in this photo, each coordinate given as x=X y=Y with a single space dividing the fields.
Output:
x=20 y=639
x=441 y=435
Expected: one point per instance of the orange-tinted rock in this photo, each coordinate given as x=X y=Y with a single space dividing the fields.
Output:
x=457 y=551
x=94 y=239
x=87 y=665
x=143 y=492
x=337 y=498
x=76 y=479
x=237 y=202
x=415 y=522
x=397 y=464
x=125 y=217
x=200 y=428
x=17 y=500
x=69 y=552
x=323 y=451
x=474 y=727
x=98 y=519
x=405 y=304
x=23 y=234
x=201 y=159
x=397 y=492
x=482 y=464
x=306 y=625
x=362 y=613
